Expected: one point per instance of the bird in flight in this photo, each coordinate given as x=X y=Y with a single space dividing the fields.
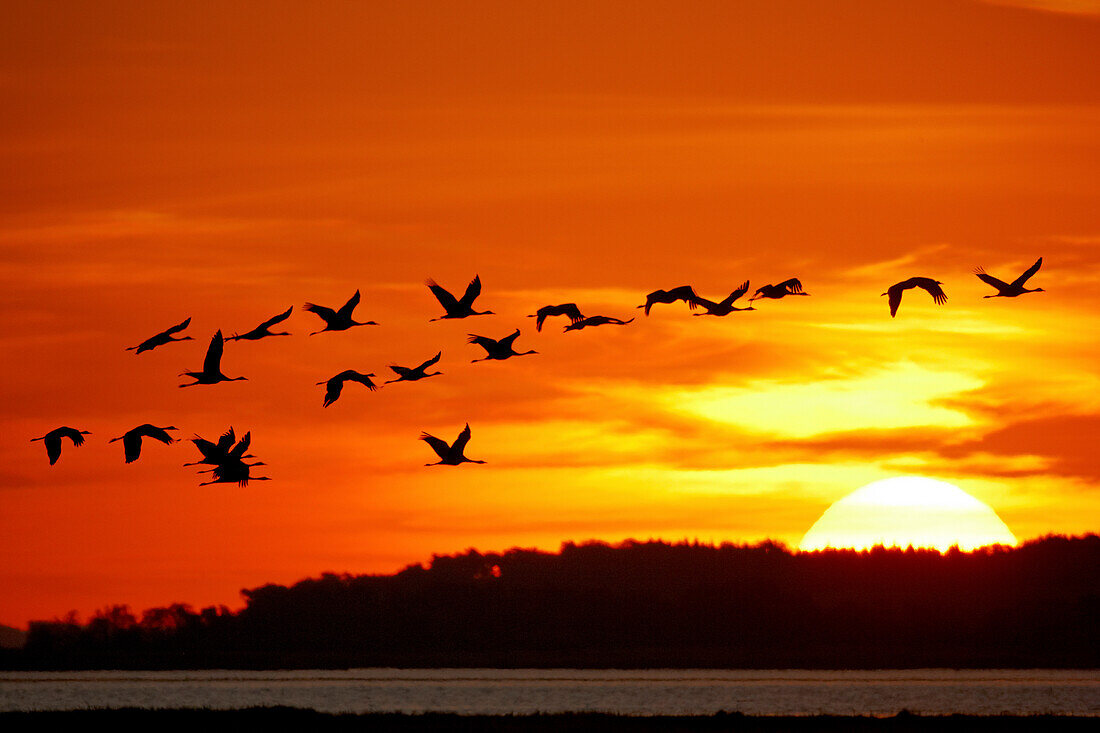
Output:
x=495 y=349
x=927 y=283
x=404 y=374
x=262 y=330
x=230 y=468
x=131 y=439
x=595 y=321
x=52 y=440
x=685 y=293
x=1016 y=287
x=457 y=308
x=787 y=287
x=211 y=366
x=161 y=338
x=337 y=320
x=236 y=472
x=726 y=306
x=214 y=453
x=565 y=309
x=334 y=386
x=449 y=455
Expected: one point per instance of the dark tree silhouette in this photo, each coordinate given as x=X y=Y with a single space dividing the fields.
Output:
x=636 y=604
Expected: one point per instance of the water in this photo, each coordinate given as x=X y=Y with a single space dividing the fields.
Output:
x=643 y=692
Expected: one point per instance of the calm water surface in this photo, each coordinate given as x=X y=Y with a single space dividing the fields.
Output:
x=495 y=691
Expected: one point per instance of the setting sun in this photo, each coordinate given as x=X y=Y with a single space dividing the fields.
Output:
x=908 y=510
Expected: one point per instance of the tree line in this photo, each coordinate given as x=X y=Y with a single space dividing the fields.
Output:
x=635 y=604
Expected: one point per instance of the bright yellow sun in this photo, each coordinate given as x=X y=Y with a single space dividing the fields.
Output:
x=908 y=510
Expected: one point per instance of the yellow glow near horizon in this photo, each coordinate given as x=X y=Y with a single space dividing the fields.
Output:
x=903 y=395
x=908 y=510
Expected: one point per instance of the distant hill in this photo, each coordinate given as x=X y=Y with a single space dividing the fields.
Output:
x=12 y=638
x=636 y=604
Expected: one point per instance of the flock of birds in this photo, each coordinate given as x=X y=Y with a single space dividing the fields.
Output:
x=227 y=455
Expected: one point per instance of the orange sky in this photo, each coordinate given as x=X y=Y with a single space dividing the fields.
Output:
x=226 y=163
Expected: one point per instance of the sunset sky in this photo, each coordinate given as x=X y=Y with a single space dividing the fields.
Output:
x=226 y=161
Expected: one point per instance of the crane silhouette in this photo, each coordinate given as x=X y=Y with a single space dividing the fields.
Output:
x=211 y=366
x=1016 y=287
x=52 y=440
x=237 y=472
x=230 y=466
x=335 y=385
x=215 y=453
x=780 y=290
x=457 y=308
x=411 y=375
x=495 y=349
x=262 y=330
x=596 y=321
x=565 y=309
x=131 y=439
x=926 y=283
x=162 y=338
x=449 y=455
x=337 y=320
x=726 y=306
x=685 y=293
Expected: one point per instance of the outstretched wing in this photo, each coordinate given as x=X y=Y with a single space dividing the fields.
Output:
x=426 y=364
x=895 y=298
x=272 y=321
x=439 y=446
x=333 y=388
x=226 y=441
x=213 y=361
x=151 y=431
x=131 y=445
x=71 y=433
x=935 y=291
x=240 y=448
x=508 y=340
x=53 y=446
x=326 y=314
x=460 y=442
x=1030 y=271
x=483 y=341
x=1000 y=285
x=363 y=379
x=708 y=304
x=177 y=328
x=472 y=291
x=744 y=288
x=347 y=308
x=791 y=286
x=445 y=298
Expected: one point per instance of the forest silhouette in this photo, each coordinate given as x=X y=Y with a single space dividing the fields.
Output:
x=636 y=604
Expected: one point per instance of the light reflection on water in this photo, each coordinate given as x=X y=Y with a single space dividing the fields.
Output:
x=520 y=691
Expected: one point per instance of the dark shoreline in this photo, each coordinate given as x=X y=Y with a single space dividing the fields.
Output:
x=305 y=719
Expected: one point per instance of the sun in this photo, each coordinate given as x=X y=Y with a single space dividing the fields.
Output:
x=908 y=510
